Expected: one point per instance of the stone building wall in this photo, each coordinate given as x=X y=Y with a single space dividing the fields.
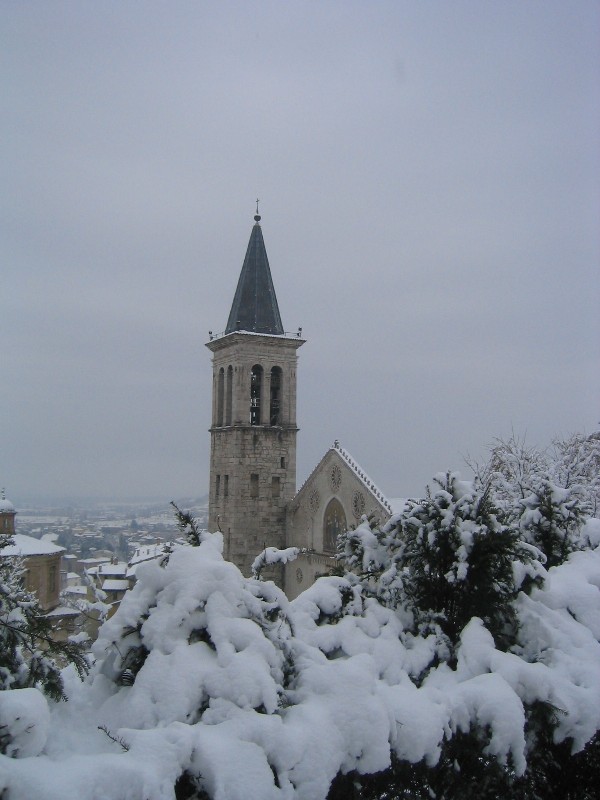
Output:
x=335 y=497
x=253 y=466
x=42 y=578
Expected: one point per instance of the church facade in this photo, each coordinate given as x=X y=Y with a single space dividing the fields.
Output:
x=252 y=495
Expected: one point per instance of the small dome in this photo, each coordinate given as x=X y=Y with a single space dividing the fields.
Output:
x=6 y=507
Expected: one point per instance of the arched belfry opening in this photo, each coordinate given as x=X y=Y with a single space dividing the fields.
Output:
x=334 y=523
x=256 y=382
x=253 y=433
x=275 y=400
x=220 y=391
x=229 y=395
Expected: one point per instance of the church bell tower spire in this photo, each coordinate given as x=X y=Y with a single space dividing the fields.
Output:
x=253 y=431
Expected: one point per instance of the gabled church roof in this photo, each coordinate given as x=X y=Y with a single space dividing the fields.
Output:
x=390 y=506
x=255 y=306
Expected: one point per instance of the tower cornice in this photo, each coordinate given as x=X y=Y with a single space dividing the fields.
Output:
x=251 y=340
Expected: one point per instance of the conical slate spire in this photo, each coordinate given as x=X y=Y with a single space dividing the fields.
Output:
x=255 y=306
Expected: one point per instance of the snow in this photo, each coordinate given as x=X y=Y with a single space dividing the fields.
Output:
x=113 y=569
x=63 y=611
x=237 y=684
x=24 y=720
x=28 y=546
x=272 y=555
x=360 y=473
x=6 y=507
x=115 y=585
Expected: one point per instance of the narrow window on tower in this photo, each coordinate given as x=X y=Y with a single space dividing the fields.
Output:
x=275 y=408
x=254 y=484
x=229 y=395
x=217 y=485
x=282 y=462
x=226 y=486
x=220 y=388
x=275 y=487
x=255 y=394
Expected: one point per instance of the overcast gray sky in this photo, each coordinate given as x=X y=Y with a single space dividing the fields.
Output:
x=429 y=183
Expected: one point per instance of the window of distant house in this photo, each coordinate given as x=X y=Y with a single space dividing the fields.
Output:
x=254 y=484
x=275 y=406
x=220 y=390
x=256 y=376
x=334 y=523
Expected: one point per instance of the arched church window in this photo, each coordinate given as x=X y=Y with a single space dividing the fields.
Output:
x=255 y=393
x=334 y=523
x=220 y=390
x=229 y=395
x=275 y=406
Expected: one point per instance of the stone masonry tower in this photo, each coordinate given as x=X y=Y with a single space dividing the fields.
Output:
x=253 y=431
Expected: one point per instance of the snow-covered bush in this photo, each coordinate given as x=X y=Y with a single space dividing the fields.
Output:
x=211 y=685
x=445 y=559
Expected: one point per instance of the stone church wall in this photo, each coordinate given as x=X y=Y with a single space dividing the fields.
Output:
x=334 y=498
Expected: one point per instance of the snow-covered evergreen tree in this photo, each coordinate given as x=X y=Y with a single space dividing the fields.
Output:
x=550 y=517
x=446 y=558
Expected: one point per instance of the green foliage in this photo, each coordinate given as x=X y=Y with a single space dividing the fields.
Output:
x=458 y=561
x=446 y=558
x=550 y=517
x=188 y=526
x=463 y=551
x=463 y=772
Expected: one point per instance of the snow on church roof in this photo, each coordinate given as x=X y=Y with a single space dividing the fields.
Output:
x=362 y=475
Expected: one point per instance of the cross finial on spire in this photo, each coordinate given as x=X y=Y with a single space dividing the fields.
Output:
x=257 y=217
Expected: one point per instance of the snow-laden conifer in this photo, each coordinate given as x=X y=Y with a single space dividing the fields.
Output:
x=446 y=558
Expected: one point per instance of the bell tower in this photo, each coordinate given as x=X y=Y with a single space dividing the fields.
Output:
x=253 y=430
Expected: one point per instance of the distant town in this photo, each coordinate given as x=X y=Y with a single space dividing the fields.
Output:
x=80 y=559
x=106 y=530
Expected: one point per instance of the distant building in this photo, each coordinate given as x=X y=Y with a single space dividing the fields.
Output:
x=42 y=563
x=7 y=515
